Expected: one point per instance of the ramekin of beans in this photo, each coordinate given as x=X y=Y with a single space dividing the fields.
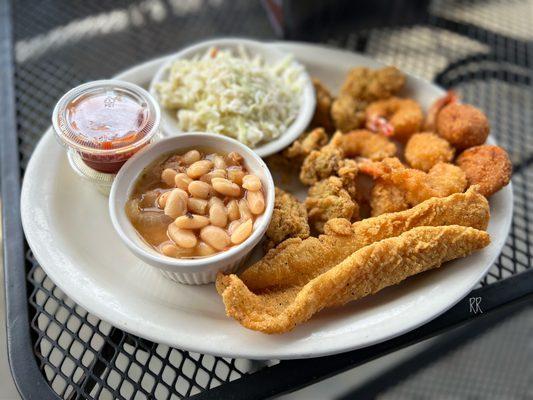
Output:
x=193 y=205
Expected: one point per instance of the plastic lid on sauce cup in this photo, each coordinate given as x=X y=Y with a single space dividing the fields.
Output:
x=106 y=122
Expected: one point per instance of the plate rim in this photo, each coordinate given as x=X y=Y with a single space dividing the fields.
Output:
x=130 y=327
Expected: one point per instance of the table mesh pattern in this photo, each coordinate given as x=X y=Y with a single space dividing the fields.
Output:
x=460 y=45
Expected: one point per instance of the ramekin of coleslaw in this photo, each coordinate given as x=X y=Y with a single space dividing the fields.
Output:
x=244 y=89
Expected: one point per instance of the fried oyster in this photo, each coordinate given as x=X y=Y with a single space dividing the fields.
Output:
x=324 y=100
x=321 y=164
x=289 y=220
x=305 y=144
x=327 y=199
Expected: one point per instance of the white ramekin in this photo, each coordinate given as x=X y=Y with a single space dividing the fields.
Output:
x=271 y=54
x=199 y=270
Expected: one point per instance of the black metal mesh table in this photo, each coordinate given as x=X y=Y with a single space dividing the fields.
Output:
x=482 y=49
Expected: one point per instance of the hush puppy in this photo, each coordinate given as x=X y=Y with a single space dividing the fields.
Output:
x=463 y=125
x=424 y=150
x=487 y=166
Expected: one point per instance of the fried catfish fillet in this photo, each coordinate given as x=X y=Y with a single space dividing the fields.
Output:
x=289 y=220
x=365 y=272
x=296 y=261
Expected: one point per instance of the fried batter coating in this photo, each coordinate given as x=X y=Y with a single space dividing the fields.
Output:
x=363 y=143
x=463 y=125
x=431 y=118
x=321 y=164
x=487 y=166
x=442 y=180
x=289 y=219
x=425 y=150
x=347 y=171
x=328 y=199
x=361 y=87
x=372 y=84
x=386 y=198
x=297 y=261
x=348 y=113
x=324 y=100
x=395 y=117
x=305 y=144
x=365 y=272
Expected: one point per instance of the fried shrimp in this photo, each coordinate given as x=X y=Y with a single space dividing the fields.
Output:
x=442 y=180
x=296 y=261
x=487 y=166
x=462 y=125
x=289 y=219
x=320 y=164
x=431 y=119
x=327 y=199
x=365 y=272
x=424 y=150
x=304 y=145
x=363 y=143
x=395 y=117
x=361 y=87
x=385 y=197
x=324 y=100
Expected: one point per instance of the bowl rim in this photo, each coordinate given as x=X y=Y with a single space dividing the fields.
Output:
x=307 y=98
x=137 y=163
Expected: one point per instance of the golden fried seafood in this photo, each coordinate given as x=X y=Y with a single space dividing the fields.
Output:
x=442 y=180
x=347 y=172
x=395 y=117
x=385 y=197
x=305 y=144
x=328 y=199
x=297 y=261
x=324 y=100
x=424 y=150
x=487 y=166
x=348 y=113
x=289 y=219
x=321 y=164
x=361 y=87
x=365 y=272
x=363 y=143
x=431 y=118
x=462 y=125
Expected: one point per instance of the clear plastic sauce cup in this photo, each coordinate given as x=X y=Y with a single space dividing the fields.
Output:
x=103 y=123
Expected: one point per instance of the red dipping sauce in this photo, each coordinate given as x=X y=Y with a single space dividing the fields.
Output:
x=106 y=122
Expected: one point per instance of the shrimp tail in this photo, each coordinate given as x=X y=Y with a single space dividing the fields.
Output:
x=381 y=125
x=450 y=97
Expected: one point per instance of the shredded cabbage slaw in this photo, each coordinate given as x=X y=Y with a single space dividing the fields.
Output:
x=233 y=95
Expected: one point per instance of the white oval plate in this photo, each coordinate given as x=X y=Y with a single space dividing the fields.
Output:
x=69 y=230
x=271 y=54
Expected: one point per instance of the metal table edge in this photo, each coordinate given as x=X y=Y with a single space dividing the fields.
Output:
x=24 y=370
x=29 y=378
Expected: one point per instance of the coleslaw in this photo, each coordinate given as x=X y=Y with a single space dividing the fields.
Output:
x=234 y=95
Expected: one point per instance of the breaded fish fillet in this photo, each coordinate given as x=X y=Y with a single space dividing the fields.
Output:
x=296 y=261
x=367 y=271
